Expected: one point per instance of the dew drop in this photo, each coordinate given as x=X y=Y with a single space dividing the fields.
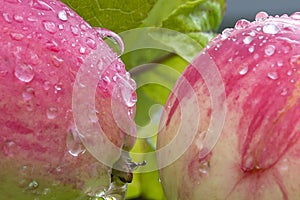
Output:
x=62 y=15
x=296 y=15
x=74 y=30
x=247 y=40
x=82 y=50
x=8 y=147
x=74 y=144
x=289 y=73
x=273 y=75
x=279 y=63
x=41 y=5
x=269 y=50
x=251 y=49
x=52 y=112
x=295 y=61
x=270 y=29
x=6 y=17
x=241 y=24
x=57 y=88
x=244 y=70
x=83 y=27
x=52 y=45
x=261 y=16
x=50 y=26
x=33 y=185
x=112 y=39
x=28 y=93
x=46 y=85
x=16 y=36
x=57 y=61
x=18 y=18
x=91 y=43
x=284 y=92
x=127 y=89
x=204 y=168
x=226 y=33
x=24 y=72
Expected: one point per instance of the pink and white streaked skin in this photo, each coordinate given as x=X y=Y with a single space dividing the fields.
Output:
x=258 y=153
x=43 y=44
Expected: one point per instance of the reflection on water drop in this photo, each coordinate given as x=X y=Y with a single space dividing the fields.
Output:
x=50 y=26
x=296 y=15
x=18 y=18
x=28 y=93
x=251 y=49
x=270 y=29
x=24 y=72
x=74 y=144
x=261 y=16
x=273 y=75
x=62 y=15
x=269 y=50
x=241 y=24
x=226 y=33
x=16 y=36
x=247 y=40
x=52 y=112
x=33 y=185
x=284 y=92
x=112 y=39
x=244 y=70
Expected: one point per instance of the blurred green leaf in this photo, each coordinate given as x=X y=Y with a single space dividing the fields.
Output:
x=197 y=19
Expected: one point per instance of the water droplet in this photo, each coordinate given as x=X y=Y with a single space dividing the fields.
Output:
x=273 y=75
x=16 y=36
x=270 y=29
x=24 y=72
x=50 y=26
x=296 y=15
x=52 y=113
x=28 y=93
x=127 y=89
x=284 y=92
x=82 y=50
x=244 y=70
x=57 y=61
x=279 y=63
x=32 y=19
x=62 y=15
x=241 y=24
x=261 y=16
x=269 y=50
x=46 y=85
x=41 y=5
x=112 y=39
x=60 y=27
x=57 y=88
x=8 y=148
x=226 y=33
x=6 y=17
x=204 y=168
x=248 y=40
x=33 y=185
x=91 y=43
x=74 y=30
x=83 y=27
x=74 y=144
x=251 y=49
x=295 y=61
x=52 y=45
x=18 y=18
x=290 y=72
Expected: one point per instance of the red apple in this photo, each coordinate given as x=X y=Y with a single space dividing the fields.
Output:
x=257 y=155
x=43 y=45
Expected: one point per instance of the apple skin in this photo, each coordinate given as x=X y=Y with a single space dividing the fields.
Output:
x=257 y=155
x=43 y=45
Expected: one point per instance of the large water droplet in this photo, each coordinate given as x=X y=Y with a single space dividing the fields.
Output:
x=247 y=40
x=52 y=113
x=127 y=89
x=296 y=15
x=226 y=33
x=74 y=144
x=269 y=50
x=261 y=16
x=273 y=75
x=24 y=72
x=270 y=29
x=241 y=24
x=62 y=15
x=112 y=39
x=50 y=26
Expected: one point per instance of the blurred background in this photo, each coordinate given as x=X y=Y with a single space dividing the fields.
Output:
x=237 y=9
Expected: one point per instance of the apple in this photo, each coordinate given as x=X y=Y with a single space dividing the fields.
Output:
x=43 y=156
x=256 y=153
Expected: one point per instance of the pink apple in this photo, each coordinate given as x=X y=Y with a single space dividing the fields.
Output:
x=257 y=155
x=43 y=45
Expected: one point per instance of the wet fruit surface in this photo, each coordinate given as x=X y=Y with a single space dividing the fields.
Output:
x=43 y=44
x=257 y=154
